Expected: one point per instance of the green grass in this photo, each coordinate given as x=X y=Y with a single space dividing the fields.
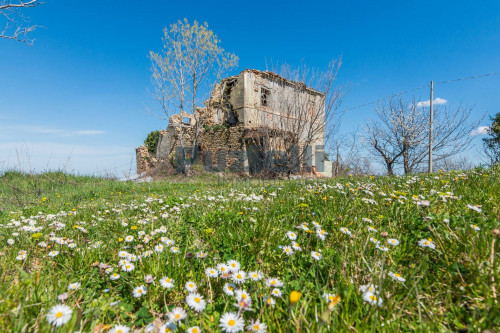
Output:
x=448 y=288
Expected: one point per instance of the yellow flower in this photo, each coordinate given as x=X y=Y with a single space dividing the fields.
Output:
x=120 y=240
x=133 y=227
x=295 y=297
x=334 y=302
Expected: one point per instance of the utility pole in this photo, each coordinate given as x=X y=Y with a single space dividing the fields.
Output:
x=430 y=127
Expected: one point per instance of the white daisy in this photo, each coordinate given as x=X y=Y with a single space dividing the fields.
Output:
x=274 y=282
x=255 y=276
x=194 y=329
x=129 y=267
x=257 y=327
x=223 y=268
x=114 y=276
x=291 y=235
x=211 y=272
x=59 y=315
x=233 y=265
x=397 y=277
x=177 y=314
x=167 y=282
x=74 y=286
x=190 y=286
x=288 y=250
x=230 y=322
x=393 y=242
x=139 y=291
x=119 y=329
x=427 y=243
x=53 y=253
x=345 y=231
x=239 y=277
x=167 y=328
x=196 y=302
x=475 y=227
x=296 y=246
x=276 y=292
x=372 y=299
x=229 y=289
x=316 y=255
x=129 y=239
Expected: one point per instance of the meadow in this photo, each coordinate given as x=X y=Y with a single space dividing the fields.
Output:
x=377 y=254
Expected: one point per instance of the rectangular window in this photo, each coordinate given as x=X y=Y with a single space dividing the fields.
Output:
x=265 y=97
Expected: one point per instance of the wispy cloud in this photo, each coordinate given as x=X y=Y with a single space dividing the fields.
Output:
x=437 y=101
x=481 y=130
x=37 y=129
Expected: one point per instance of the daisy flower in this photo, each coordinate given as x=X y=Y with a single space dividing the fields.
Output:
x=288 y=250
x=177 y=314
x=242 y=295
x=427 y=243
x=174 y=249
x=393 y=242
x=119 y=329
x=114 y=276
x=223 y=268
x=21 y=255
x=129 y=239
x=74 y=286
x=239 y=277
x=201 y=255
x=229 y=289
x=123 y=254
x=190 y=286
x=53 y=253
x=291 y=235
x=167 y=328
x=274 y=282
x=371 y=229
x=159 y=248
x=211 y=272
x=194 y=329
x=196 y=302
x=316 y=255
x=129 y=267
x=374 y=240
x=233 y=265
x=475 y=227
x=257 y=327
x=270 y=301
x=372 y=299
x=382 y=248
x=296 y=246
x=255 y=276
x=139 y=291
x=345 y=231
x=397 y=277
x=59 y=315
x=368 y=288
x=276 y=292
x=321 y=234
x=10 y=241
x=230 y=322
x=167 y=282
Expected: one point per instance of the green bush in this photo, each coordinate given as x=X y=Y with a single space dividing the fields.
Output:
x=152 y=142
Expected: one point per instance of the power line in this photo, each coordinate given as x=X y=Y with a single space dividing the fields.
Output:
x=421 y=87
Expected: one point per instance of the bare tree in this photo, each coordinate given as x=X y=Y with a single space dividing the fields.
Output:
x=303 y=105
x=184 y=74
x=399 y=137
x=17 y=26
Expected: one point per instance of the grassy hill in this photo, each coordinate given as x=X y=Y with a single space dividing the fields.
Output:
x=364 y=254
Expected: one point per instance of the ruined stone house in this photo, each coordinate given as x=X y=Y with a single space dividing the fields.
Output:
x=250 y=124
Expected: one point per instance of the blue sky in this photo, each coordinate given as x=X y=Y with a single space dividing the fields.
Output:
x=77 y=99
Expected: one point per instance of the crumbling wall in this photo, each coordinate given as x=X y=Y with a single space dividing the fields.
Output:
x=144 y=161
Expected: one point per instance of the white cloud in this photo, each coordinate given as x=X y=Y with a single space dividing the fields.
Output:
x=88 y=132
x=427 y=103
x=36 y=129
x=481 y=130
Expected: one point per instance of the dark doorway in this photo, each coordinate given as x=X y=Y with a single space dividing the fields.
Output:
x=255 y=157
